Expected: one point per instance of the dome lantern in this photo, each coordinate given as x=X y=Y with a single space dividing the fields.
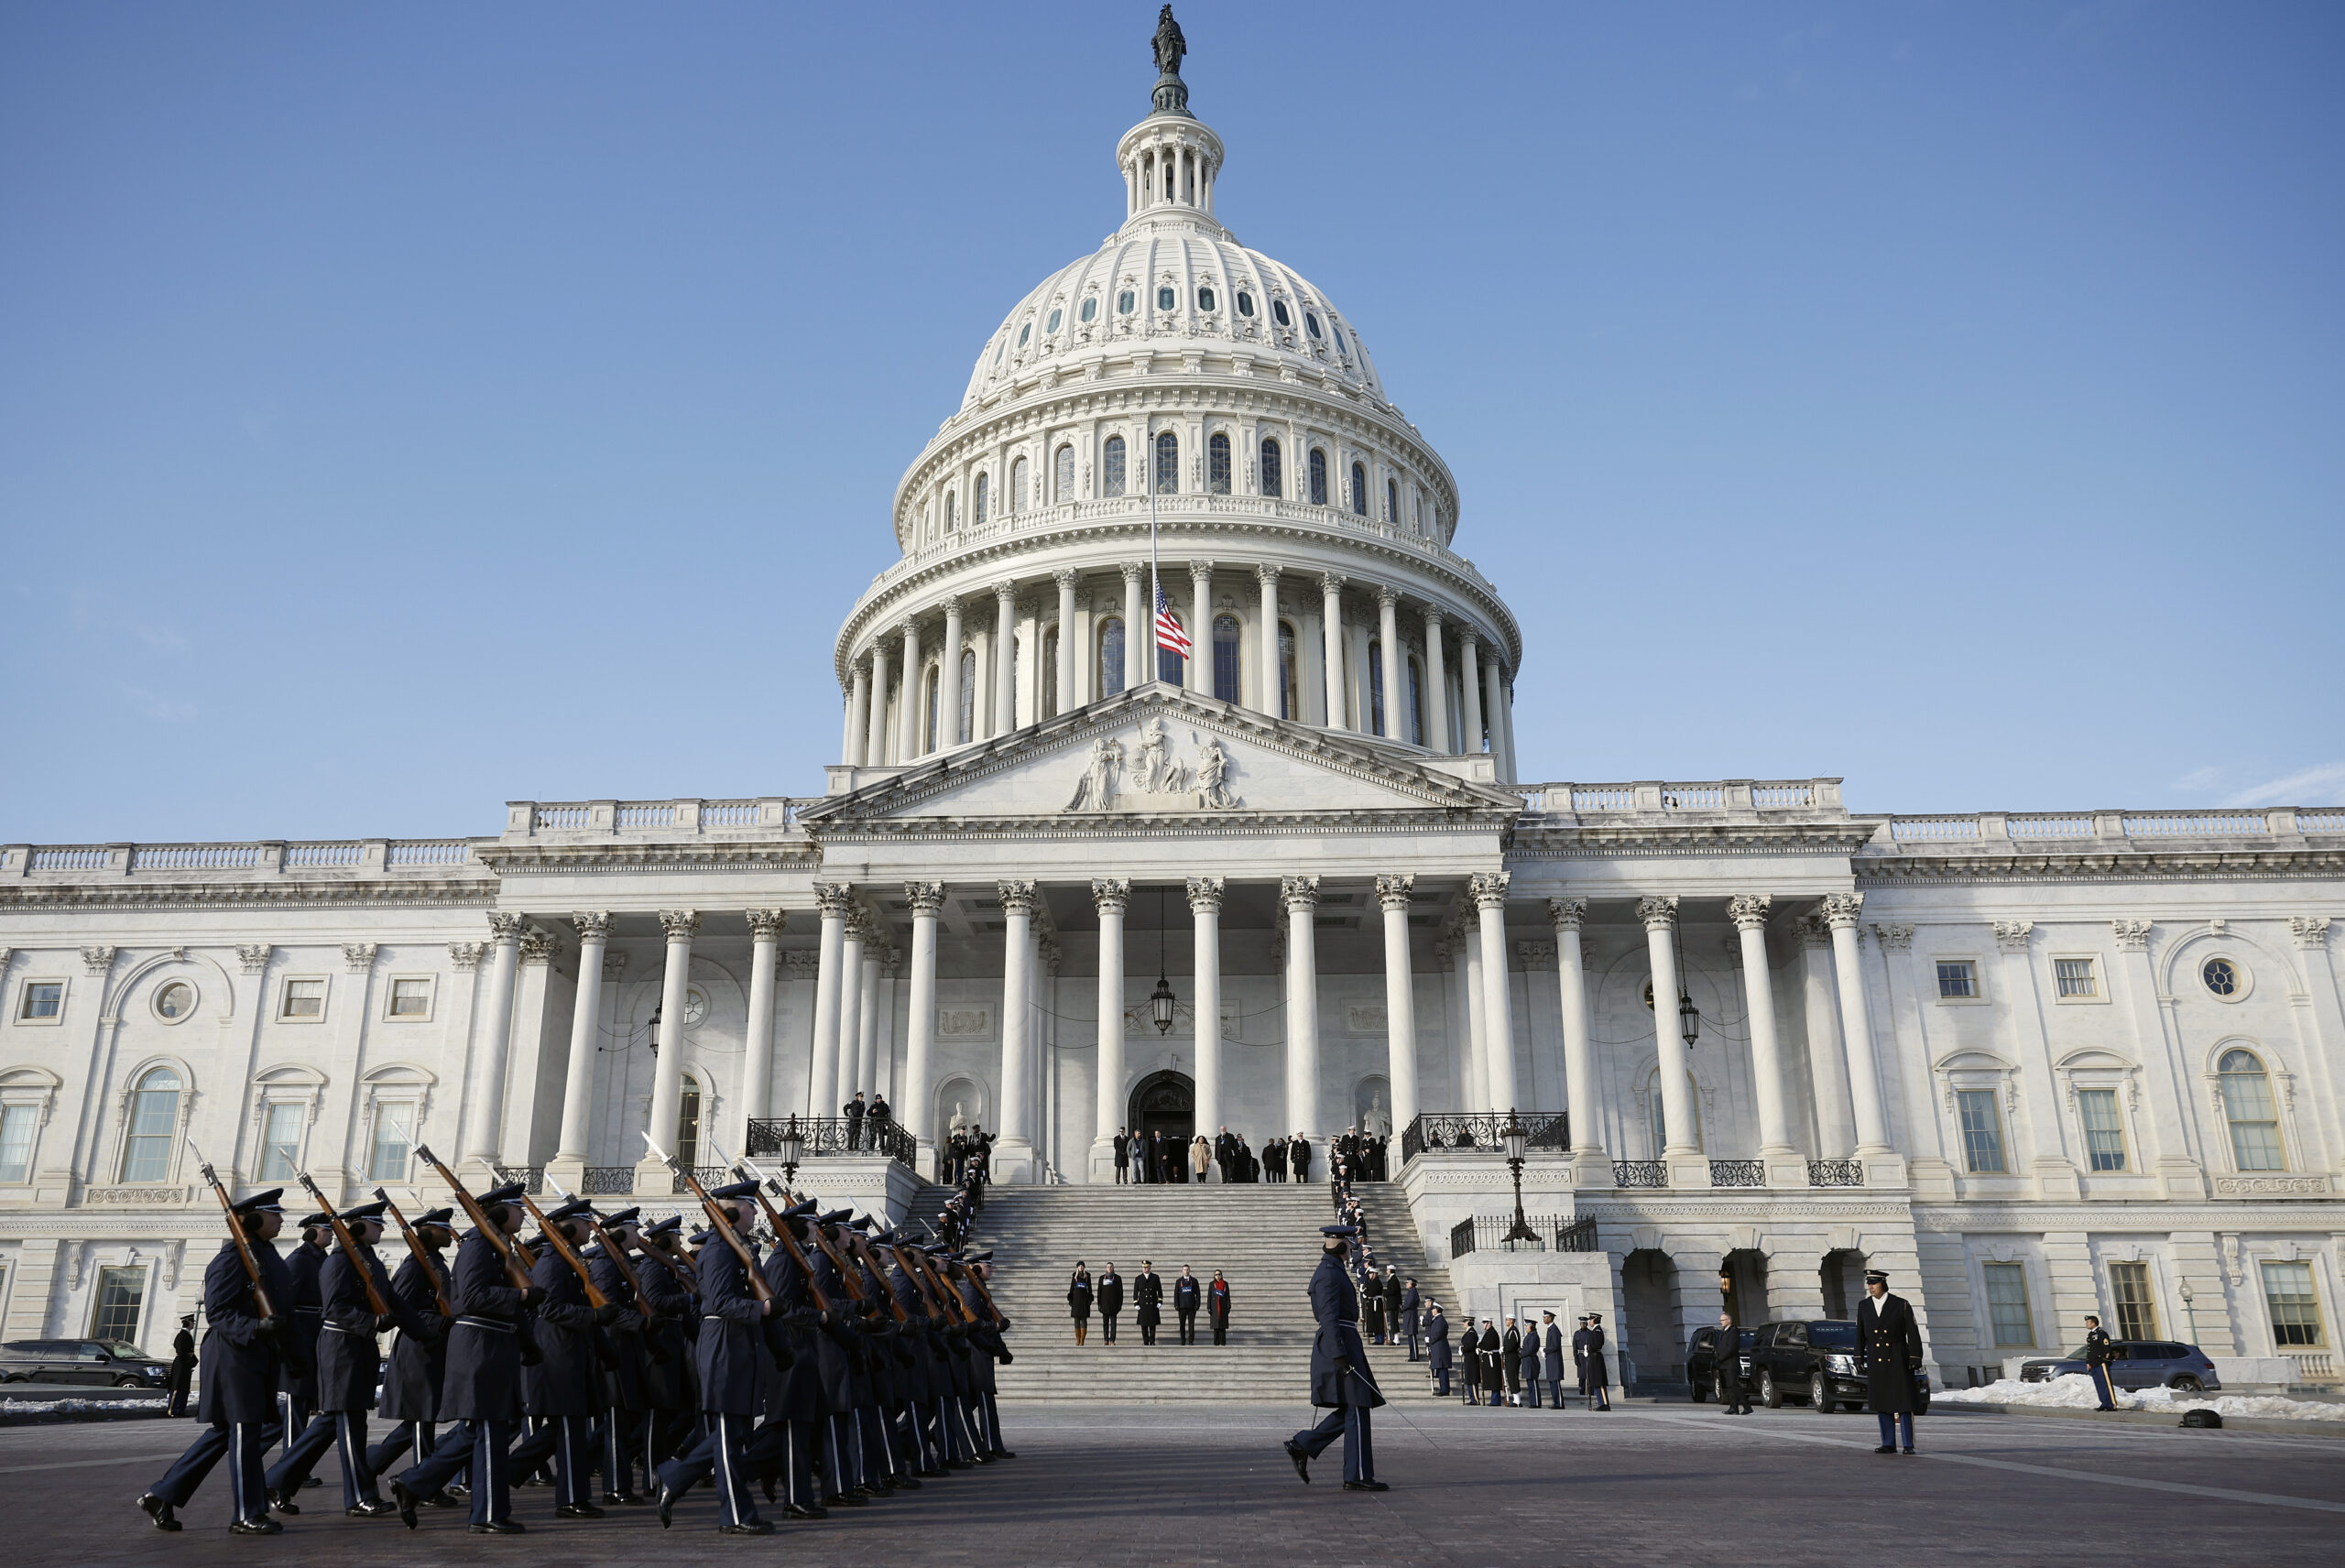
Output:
x=1169 y=160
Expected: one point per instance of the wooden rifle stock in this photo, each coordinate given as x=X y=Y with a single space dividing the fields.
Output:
x=517 y=1259
x=720 y=1220
x=349 y=1244
x=552 y=1233
x=789 y=1244
x=421 y=1253
x=244 y=1244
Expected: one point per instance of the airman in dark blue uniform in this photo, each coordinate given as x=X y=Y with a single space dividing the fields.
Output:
x=1341 y=1383
x=410 y=1397
x=298 y=1375
x=670 y=1396
x=985 y=1348
x=625 y=1344
x=240 y=1405
x=561 y=1392
x=731 y=1345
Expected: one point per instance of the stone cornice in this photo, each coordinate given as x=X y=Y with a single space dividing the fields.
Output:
x=1599 y=841
x=388 y=894
x=795 y=853
x=2256 y=1213
x=1876 y=871
x=1761 y=1207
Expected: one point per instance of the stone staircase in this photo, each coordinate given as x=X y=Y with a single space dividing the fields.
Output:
x=1264 y=1238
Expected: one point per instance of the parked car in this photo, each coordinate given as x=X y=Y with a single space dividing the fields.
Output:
x=2140 y=1364
x=1813 y=1361
x=1702 y=1362
x=100 y=1362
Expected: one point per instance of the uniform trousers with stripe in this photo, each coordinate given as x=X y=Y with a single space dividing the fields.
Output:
x=878 y=1452
x=413 y=1439
x=784 y=1449
x=242 y=1444
x=620 y=1430
x=989 y=1436
x=723 y=1454
x=480 y=1446
x=344 y=1431
x=842 y=1454
x=1350 y=1422
x=569 y=1442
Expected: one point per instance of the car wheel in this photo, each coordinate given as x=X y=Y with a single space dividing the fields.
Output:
x=1819 y=1394
x=1770 y=1394
x=129 y=1382
x=2189 y=1385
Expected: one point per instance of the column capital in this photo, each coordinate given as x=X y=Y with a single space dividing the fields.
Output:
x=765 y=925
x=2134 y=936
x=592 y=925
x=1299 y=893
x=1065 y=577
x=1005 y=589
x=538 y=945
x=1894 y=937
x=1111 y=893
x=1748 y=911
x=681 y=925
x=1432 y=618
x=252 y=955
x=359 y=956
x=1332 y=581
x=1387 y=596
x=909 y=627
x=504 y=926
x=1488 y=889
x=802 y=965
x=1566 y=914
x=1394 y=892
x=613 y=964
x=467 y=954
x=2311 y=932
x=1840 y=910
x=1017 y=897
x=1269 y=577
x=1658 y=914
x=1467 y=636
x=1538 y=957
x=1200 y=568
x=2011 y=936
x=1205 y=894
x=925 y=898
x=1814 y=932
x=833 y=899
x=1133 y=571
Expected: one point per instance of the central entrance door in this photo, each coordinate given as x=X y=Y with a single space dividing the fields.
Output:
x=1165 y=1101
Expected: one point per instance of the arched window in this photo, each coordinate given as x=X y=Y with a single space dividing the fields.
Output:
x=967 y=721
x=1167 y=464
x=1359 y=491
x=1416 y=704
x=1376 y=687
x=1217 y=465
x=1318 y=477
x=1290 y=685
x=1111 y=657
x=1111 y=467
x=929 y=686
x=2247 y=1106
x=688 y=1122
x=1273 y=481
x=977 y=512
x=1226 y=671
x=154 y=1124
x=949 y=518
x=1065 y=477
x=1018 y=486
x=1050 y=672
x=1391 y=500
x=1661 y=1121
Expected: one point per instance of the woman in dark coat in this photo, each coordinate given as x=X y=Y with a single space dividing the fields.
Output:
x=1078 y=1300
x=1889 y=1344
x=1218 y=1307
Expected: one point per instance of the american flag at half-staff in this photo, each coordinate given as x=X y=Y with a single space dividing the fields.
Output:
x=1170 y=638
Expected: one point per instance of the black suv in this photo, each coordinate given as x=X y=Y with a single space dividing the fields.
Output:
x=1702 y=1362
x=101 y=1362
x=1814 y=1361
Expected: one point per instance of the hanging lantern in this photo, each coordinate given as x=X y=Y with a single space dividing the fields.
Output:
x=1160 y=1005
x=1689 y=1018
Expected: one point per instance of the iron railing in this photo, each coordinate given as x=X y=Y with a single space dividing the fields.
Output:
x=1640 y=1173
x=1738 y=1172
x=1836 y=1173
x=531 y=1177
x=604 y=1180
x=820 y=1136
x=1578 y=1236
x=1488 y=1232
x=1461 y=1237
x=1550 y=1133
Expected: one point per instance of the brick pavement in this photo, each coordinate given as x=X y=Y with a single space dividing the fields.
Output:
x=1673 y=1484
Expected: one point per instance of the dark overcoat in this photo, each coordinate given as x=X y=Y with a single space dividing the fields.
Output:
x=1188 y=1295
x=348 y=1357
x=668 y=1376
x=419 y=1353
x=1437 y=1355
x=794 y=1393
x=1490 y=1361
x=1890 y=1342
x=986 y=1344
x=299 y=1372
x=482 y=1376
x=1217 y=1302
x=1112 y=1294
x=1554 y=1357
x=838 y=1345
x=732 y=1341
x=240 y=1361
x=567 y=1379
x=1335 y=1308
x=1148 y=1299
x=1589 y=1345
x=1078 y=1298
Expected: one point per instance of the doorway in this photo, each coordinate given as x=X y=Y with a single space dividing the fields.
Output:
x=1165 y=1101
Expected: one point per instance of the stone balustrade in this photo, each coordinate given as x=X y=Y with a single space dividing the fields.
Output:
x=571 y=821
x=2003 y=832
x=256 y=860
x=1714 y=800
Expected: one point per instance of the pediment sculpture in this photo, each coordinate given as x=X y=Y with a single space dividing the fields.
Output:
x=1149 y=776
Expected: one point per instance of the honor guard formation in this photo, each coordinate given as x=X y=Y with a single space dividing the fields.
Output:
x=812 y=1360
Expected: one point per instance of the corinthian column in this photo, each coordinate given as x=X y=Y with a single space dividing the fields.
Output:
x=1300 y=896
x=1135 y=639
x=1749 y=915
x=838 y=1088
x=757 y=1057
x=1205 y=911
x=1199 y=667
x=1005 y=657
x=483 y=1132
x=1437 y=687
x=915 y=741
x=679 y=926
x=1331 y=630
x=948 y=679
x=594 y=929
x=1489 y=889
x=1841 y=912
x=1687 y=1168
x=1588 y=1159
x=1268 y=641
x=1013 y=1155
x=833 y=899
x=913 y=1104
x=1065 y=579
x=874 y=738
x=1399 y=991
x=1469 y=690
x=1110 y=893
x=1396 y=671
x=858 y=711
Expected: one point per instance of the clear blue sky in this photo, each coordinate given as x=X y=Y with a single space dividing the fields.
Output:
x=405 y=409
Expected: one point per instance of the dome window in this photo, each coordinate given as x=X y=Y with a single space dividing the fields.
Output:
x=1111 y=465
x=1318 y=477
x=1245 y=304
x=1359 y=491
x=1126 y=301
x=1273 y=482
x=1090 y=311
x=1205 y=299
x=1218 y=464
x=999 y=353
x=1167 y=299
x=1337 y=334
x=1052 y=324
x=1311 y=323
x=1024 y=333
x=1277 y=313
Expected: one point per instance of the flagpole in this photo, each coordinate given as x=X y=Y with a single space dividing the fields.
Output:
x=1155 y=667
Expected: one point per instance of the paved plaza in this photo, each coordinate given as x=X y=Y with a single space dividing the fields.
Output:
x=1670 y=1483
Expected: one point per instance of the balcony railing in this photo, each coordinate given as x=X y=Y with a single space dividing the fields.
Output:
x=531 y=1177
x=821 y=1136
x=1487 y=1233
x=1718 y=798
x=1550 y=1133
x=1836 y=1173
x=606 y=1180
x=1985 y=832
x=1640 y=1173
x=245 y=861
x=1738 y=1172
x=528 y=820
x=1578 y=1236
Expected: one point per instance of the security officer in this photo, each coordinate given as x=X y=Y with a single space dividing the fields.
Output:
x=1594 y=1383
x=1437 y=1353
x=1889 y=1345
x=1552 y=1357
x=1341 y=1383
x=410 y=1398
x=182 y=1377
x=347 y=1359
x=731 y=1345
x=2099 y=1353
x=1148 y=1301
x=481 y=1389
x=1725 y=1359
x=1411 y=1316
x=239 y=1404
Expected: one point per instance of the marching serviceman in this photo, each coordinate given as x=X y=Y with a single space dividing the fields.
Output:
x=628 y=1346
x=784 y=1448
x=1341 y=1383
x=985 y=1347
x=731 y=1344
x=239 y=1404
x=1188 y=1295
x=672 y=1403
x=410 y=1398
x=560 y=1393
x=2099 y=1353
x=298 y=1390
x=1888 y=1347
x=1218 y=1307
x=1438 y=1350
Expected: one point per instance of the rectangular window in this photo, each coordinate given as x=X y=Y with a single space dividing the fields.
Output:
x=1957 y=980
x=1982 y=1129
x=2128 y=1293
x=2104 y=1133
x=2007 y=1304
x=2074 y=976
x=304 y=1000
x=121 y=1293
x=44 y=999
x=280 y=1141
x=16 y=1125
x=2296 y=1311
x=394 y=1131
x=410 y=998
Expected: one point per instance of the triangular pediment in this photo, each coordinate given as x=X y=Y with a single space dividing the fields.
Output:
x=1160 y=751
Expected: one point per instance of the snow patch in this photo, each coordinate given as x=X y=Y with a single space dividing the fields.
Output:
x=12 y=1405
x=2074 y=1392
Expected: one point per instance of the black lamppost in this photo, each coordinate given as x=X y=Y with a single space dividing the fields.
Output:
x=1518 y=1146
x=790 y=1144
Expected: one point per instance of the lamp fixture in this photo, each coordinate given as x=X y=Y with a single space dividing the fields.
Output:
x=1161 y=1001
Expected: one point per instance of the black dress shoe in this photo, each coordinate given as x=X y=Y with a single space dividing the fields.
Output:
x=1005 y=1454
x=668 y=1495
x=263 y=1525
x=441 y=1500
x=1366 y=1486
x=374 y=1508
x=578 y=1510
x=1909 y=1453
x=754 y=1527
x=766 y=1486
x=906 y=1484
x=501 y=1527
x=1886 y=1448
x=315 y=1481
x=403 y=1499
x=806 y=1510
x=283 y=1503
x=623 y=1500
x=157 y=1510
x=846 y=1500
x=1301 y=1461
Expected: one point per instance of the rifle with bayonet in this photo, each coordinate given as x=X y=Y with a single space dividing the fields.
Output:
x=618 y=1255
x=552 y=1233
x=261 y=1302
x=516 y=1257
x=349 y=1245
x=421 y=1253
x=720 y=1219
x=782 y=1233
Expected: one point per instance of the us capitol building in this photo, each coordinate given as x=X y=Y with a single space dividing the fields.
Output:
x=2034 y=1065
